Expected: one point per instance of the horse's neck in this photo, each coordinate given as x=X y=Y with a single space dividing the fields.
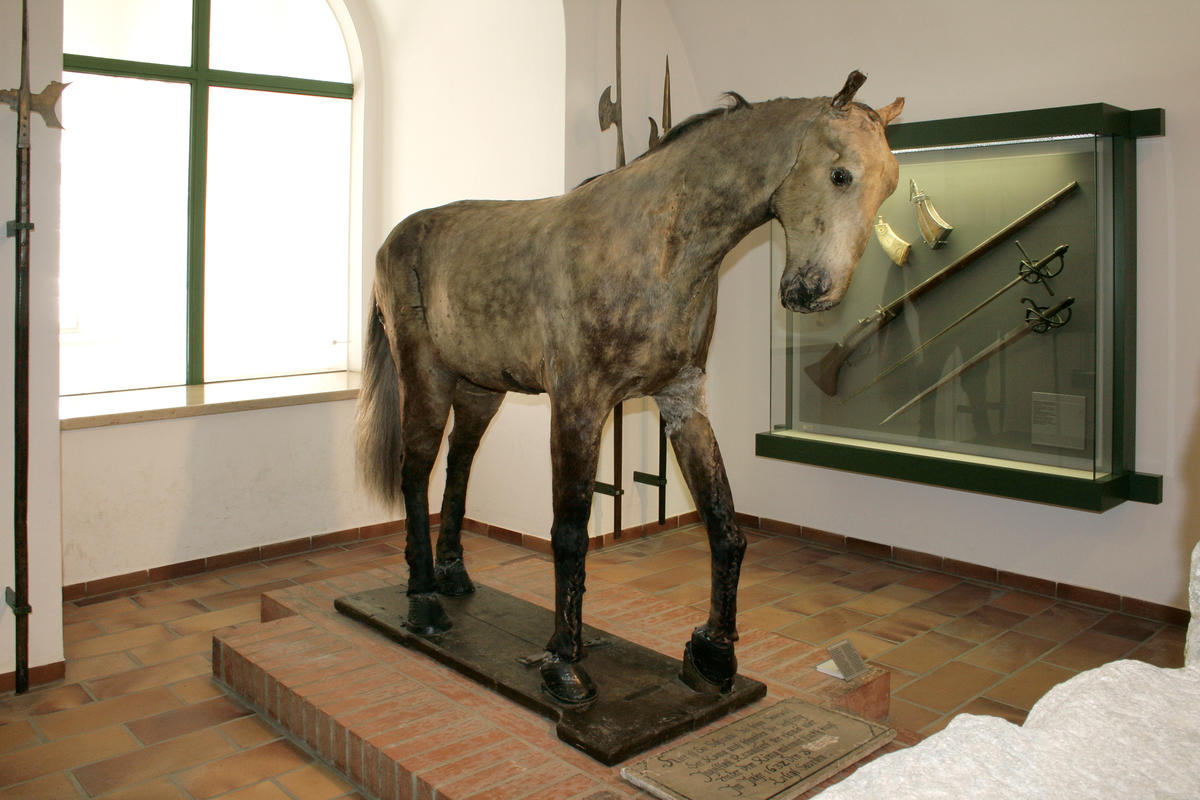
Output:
x=726 y=172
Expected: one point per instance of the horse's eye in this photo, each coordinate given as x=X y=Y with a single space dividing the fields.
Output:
x=840 y=176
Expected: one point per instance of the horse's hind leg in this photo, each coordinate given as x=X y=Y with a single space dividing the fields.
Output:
x=473 y=410
x=427 y=395
x=709 y=660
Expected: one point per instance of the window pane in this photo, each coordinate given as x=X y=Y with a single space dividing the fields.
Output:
x=158 y=31
x=277 y=244
x=122 y=285
x=296 y=38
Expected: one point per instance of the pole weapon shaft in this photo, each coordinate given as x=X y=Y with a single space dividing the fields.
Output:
x=25 y=103
x=619 y=411
x=1007 y=340
x=20 y=228
x=620 y=122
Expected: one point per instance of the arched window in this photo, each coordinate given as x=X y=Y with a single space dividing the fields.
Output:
x=205 y=193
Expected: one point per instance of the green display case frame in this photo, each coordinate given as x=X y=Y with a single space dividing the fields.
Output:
x=1121 y=128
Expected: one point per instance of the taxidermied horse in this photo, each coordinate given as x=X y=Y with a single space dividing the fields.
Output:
x=600 y=295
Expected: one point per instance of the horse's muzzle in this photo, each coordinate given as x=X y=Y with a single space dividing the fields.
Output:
x=806 y=292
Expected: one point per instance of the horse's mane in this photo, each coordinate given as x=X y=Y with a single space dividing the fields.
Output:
x=735 y=103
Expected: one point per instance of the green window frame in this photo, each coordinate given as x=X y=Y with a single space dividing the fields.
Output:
x=200 y=77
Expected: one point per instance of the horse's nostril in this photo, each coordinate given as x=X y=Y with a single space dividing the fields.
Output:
x=796 y=297
x=804 y=292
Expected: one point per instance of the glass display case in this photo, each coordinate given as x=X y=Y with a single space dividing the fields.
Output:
x=987 y=340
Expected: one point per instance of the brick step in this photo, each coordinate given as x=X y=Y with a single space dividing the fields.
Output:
x=399 y=725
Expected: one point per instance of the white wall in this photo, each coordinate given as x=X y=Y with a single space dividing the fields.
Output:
x=953 y=60
x=45 y=580
x=474 y=98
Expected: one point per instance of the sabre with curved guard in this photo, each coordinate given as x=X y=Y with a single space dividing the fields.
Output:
x=1037 y=320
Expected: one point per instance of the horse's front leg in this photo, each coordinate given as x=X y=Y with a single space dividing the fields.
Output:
x=709 y=660
x=574 y=448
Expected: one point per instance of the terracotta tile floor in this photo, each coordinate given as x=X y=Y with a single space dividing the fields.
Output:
x=139 y=717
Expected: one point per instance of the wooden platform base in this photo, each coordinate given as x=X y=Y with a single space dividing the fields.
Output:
x=497 y=640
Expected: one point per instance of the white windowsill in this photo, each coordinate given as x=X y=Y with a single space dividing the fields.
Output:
x=174 y=402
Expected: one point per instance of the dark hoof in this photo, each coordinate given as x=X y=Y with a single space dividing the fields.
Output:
x=708 y=666
x=426 y=617
x=452 y=579
x=566 y=682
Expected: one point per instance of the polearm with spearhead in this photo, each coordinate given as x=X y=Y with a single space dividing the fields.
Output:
x=1028 y=271
x=24 y=103
x=824 y=373
x=1037 y=320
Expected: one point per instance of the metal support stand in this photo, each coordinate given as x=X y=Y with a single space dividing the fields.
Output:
x=659 y=480
x=614 y=489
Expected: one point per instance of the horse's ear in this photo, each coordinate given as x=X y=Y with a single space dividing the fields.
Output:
x=855 y=80
x=890 y=111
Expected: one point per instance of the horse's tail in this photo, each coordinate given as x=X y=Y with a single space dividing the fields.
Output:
x=378 y=419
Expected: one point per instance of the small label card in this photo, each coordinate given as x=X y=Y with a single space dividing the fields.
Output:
x=1059 y=420
x=846 y=663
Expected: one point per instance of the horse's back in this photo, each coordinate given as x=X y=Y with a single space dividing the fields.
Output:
x=481 y=272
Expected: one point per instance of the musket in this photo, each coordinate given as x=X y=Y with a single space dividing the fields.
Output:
x=1027 y=272
x=1037 y=320
x=824 y=373
x=25 y=103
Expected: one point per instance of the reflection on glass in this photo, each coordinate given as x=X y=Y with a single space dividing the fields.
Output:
x=276 y=275
x=1037 y=400
x=296 y=38
x=157 y=31
x=122 y=300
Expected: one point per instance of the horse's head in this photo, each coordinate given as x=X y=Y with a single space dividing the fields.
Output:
x=827 y=203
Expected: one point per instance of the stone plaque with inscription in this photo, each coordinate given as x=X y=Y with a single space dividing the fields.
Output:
x=774 y=754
